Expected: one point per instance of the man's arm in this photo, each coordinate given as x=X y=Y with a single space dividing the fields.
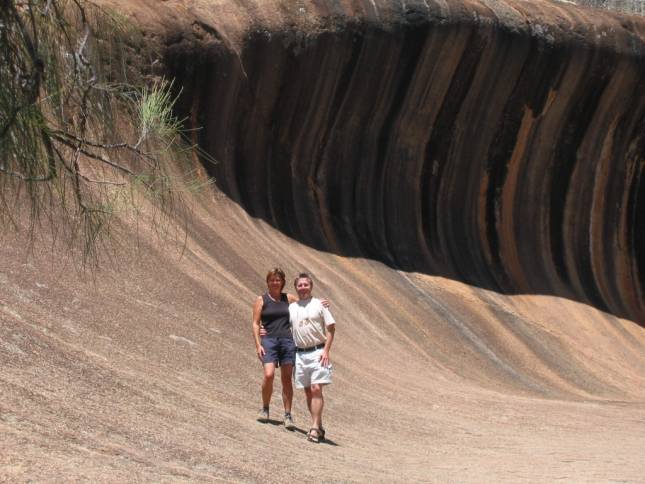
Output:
x=324 y=357
x=257 y=315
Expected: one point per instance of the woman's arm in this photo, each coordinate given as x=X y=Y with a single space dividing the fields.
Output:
x=257 y=315
x=292 y=298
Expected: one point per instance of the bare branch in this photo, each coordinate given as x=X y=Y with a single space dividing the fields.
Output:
x=95 y=144
x=95 y=156
x=26 y=178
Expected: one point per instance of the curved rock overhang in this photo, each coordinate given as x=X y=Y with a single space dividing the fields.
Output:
x=498 y=143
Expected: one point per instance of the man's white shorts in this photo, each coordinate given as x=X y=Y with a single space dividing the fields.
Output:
x=309 y=371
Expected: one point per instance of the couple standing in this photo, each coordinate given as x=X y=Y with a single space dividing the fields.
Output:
x=292 y=330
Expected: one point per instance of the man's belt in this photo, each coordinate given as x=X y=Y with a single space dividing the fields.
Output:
x=311 y=348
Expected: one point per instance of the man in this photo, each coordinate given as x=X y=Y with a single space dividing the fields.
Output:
x=313 y=332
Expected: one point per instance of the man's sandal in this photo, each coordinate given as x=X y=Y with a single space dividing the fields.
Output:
x=313 y=435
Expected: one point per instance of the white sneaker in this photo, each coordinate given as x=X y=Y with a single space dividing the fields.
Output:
x=288 y=422
x=263 y=415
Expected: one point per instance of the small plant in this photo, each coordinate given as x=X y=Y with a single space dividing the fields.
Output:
x=156 y=118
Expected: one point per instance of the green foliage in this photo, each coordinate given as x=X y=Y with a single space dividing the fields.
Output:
x=156 y=117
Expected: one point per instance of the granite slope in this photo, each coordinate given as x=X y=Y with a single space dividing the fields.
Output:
x=457 y=359
x=146 y=372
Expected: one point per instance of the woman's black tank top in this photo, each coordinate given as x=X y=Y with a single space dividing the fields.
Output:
x=275 y=316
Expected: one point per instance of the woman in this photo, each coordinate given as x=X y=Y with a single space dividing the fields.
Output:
x=276 y=348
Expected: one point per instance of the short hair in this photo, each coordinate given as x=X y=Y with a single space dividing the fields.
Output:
x=303 y=275
x=276 y=271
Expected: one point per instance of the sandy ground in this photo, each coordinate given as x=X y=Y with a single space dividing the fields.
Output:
x=146 y=372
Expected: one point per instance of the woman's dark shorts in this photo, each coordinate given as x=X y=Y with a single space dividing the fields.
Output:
x=281 y=351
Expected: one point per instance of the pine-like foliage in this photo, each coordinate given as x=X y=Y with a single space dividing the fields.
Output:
x=76 y=138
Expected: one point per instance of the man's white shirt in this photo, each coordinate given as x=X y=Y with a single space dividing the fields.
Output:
x=309 y=321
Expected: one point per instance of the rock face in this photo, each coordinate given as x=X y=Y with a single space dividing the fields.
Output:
x=498 y=143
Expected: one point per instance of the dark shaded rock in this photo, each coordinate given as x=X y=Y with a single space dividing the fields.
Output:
x=501 y=145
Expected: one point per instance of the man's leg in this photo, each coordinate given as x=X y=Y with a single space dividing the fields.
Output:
x=317 y=404
x=287 y=388
x=308 y=395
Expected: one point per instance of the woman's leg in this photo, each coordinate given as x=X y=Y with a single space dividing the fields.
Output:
x=267 y=383
x=287 y=388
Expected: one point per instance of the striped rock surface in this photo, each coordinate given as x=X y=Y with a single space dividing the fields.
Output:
x=497 y=143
